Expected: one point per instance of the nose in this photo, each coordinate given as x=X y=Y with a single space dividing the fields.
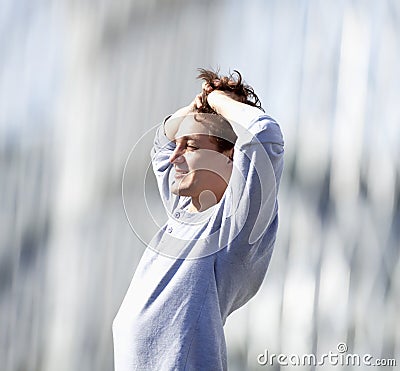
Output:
x=177 y=156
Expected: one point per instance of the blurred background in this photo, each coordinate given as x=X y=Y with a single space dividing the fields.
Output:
x=82 y=81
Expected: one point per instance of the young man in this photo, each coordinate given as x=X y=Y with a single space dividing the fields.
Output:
x=219 y=186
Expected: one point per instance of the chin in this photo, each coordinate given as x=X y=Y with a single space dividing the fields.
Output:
x=179 y=191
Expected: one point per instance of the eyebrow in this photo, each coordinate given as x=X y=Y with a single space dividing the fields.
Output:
x=187 y=137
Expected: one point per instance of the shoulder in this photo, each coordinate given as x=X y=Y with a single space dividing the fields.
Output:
x=266 y=130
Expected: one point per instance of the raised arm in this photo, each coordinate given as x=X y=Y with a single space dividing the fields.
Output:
x=258 y=161
x=163 y=148
x=171 y=125
x=226 y=105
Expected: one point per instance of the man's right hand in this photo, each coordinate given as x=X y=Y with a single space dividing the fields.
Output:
x=172 y=124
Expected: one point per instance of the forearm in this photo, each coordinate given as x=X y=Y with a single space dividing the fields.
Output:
x=231 y=109
x=171 y=125
x=221 y=103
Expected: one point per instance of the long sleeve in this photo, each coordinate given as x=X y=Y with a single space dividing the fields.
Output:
x=250 y=204
x=249 y=220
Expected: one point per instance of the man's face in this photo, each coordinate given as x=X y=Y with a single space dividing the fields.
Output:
x=198 y=165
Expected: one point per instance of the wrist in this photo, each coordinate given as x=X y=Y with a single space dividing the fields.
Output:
x=216 y=100
x=171 y=123
x=232 y=109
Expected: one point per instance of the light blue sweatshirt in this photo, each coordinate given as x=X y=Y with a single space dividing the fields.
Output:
x=200 y=267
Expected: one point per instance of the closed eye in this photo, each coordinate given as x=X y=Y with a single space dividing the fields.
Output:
x=192 y=147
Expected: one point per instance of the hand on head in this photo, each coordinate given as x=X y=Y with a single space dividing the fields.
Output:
x=231 y=86
x=201 y=103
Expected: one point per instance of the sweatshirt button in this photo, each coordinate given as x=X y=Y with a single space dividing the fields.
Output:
x=169 y=230
x=177 y=215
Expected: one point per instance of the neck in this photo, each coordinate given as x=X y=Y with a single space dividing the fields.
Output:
x=204 y=201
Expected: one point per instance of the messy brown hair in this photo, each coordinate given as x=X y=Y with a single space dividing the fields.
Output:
x=221 y=131
x=233 y=83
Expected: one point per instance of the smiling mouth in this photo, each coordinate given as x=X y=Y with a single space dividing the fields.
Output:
x=180 y=173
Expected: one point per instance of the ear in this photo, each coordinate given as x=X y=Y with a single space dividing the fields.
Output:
x=229 y=154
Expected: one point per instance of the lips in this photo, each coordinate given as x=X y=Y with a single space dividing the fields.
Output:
x=180 y=173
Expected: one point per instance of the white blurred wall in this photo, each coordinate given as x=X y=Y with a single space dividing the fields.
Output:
x=81 y=82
